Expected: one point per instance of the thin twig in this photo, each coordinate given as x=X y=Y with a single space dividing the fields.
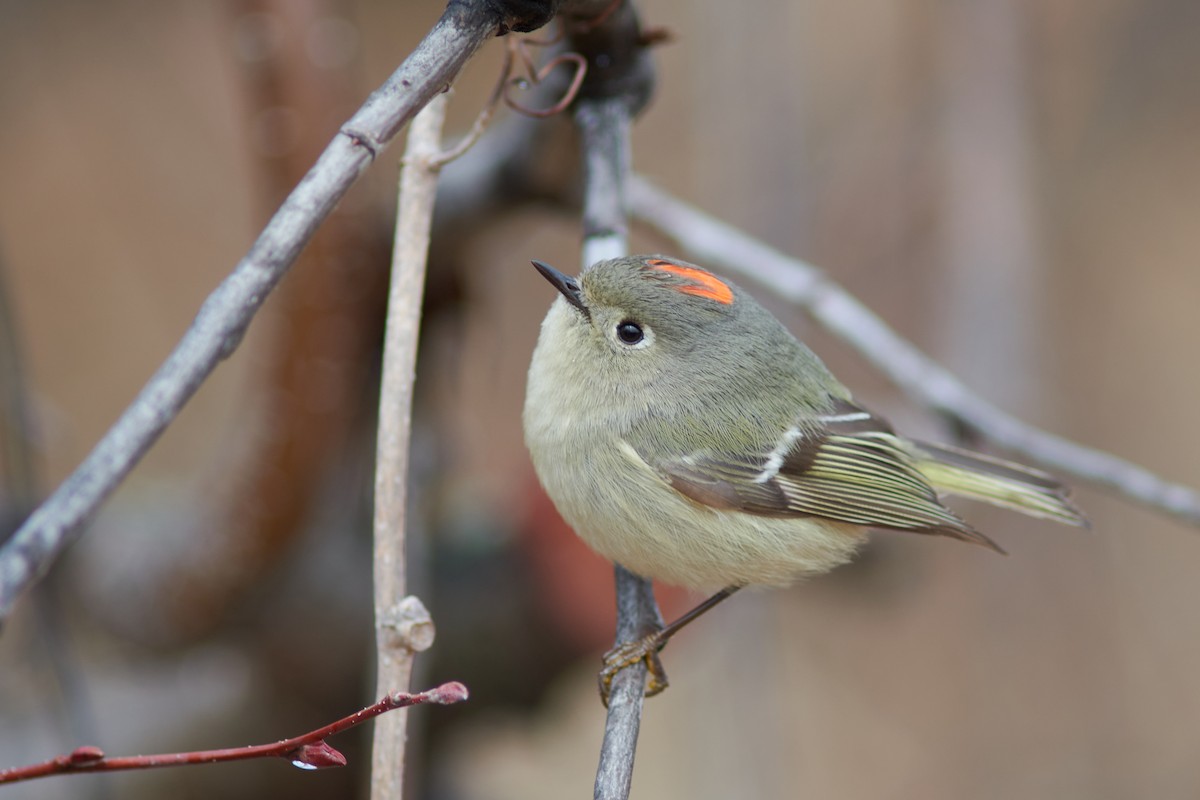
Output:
x=225 y=315
x=536 y=77
x=307 y=751
x=483 y=119
x=507 y=170
x=402 y=625
x=718 y=244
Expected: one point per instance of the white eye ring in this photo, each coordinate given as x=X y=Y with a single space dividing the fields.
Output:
x=629 y=332
x=632 y=335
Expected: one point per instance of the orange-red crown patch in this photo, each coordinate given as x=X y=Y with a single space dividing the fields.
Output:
x=706 y=284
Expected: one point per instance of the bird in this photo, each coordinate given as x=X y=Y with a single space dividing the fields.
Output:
x=683 y=432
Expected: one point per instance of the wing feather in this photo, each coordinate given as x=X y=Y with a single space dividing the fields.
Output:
x=849 y=467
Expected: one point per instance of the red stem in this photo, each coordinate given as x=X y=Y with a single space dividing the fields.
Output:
x=307 y=750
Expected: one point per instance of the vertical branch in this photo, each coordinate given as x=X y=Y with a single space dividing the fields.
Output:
x=605 y=130
x=637 y=616
x=402 y=625
x=605 y=127
x=619 y=81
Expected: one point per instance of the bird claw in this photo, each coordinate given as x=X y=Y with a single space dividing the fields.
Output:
x=628 y=654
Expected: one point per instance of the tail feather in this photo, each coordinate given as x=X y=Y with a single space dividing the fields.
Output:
x=1001 y=483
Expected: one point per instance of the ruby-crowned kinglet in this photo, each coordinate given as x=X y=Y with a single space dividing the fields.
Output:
x=684 y=433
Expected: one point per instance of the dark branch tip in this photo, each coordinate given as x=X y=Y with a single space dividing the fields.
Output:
x=520 y=16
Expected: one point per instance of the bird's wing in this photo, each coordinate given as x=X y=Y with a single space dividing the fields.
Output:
x=847 y=466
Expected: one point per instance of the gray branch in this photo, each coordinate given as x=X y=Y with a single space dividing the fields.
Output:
x=637 y=616
x=719 y=244
x=618 y=84
x=225 y=315
x=402 y=624
x=605 y=127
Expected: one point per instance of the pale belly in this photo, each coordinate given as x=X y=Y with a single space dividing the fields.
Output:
x=632 y=516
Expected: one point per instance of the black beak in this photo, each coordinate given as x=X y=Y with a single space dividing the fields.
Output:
x=565 y=284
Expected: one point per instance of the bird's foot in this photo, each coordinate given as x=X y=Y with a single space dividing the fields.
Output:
x=628 y=654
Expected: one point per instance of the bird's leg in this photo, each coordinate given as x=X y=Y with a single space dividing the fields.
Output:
x=648 y=647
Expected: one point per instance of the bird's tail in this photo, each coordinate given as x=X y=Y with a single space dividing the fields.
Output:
x=999 y=482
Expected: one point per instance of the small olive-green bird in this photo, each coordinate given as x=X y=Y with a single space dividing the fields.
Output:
x=684 y=433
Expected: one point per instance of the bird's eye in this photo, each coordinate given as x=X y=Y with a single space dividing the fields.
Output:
x=629 y=332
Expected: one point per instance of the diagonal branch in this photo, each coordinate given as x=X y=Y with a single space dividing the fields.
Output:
x=225 y=315
x=718 y=243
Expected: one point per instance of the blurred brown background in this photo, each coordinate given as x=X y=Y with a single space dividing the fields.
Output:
x=1013 y=185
